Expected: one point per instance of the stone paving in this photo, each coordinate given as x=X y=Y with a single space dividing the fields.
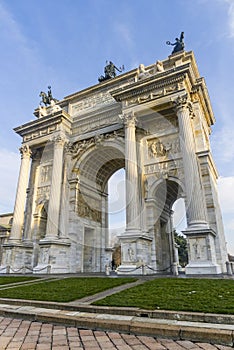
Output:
x=16 y=334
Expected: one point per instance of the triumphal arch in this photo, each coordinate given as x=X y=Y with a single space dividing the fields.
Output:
x=153 y=121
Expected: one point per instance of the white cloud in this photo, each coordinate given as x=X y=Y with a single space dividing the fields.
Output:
x=9 y=169
x=231 y=17
x=222 y=144
x=226 y=190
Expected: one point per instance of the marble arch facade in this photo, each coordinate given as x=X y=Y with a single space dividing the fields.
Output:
x=156 y=125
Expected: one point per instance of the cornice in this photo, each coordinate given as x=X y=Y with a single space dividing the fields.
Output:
x=153 y=82
x=41 y=123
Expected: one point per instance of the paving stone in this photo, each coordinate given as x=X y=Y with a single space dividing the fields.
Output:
x=206 y=346
x=188 y=345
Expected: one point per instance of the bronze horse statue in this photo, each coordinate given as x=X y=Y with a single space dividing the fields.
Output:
x=46 y=98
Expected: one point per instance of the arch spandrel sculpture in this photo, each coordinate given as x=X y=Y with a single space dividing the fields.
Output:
x=143 y=121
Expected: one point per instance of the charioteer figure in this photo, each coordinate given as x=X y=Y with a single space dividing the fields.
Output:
x=110 y=71
x=179 y=43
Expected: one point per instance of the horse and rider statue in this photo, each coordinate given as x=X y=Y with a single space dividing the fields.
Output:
x=46 y=98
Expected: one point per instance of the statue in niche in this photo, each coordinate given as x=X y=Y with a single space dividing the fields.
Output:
x=46 y=98
x=179 y=43
x=110 y=71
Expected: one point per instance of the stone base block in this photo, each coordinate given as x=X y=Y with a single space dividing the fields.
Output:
x=53 y=257
x=202 y=269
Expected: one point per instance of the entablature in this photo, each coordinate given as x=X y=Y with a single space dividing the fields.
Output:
x=45 y=126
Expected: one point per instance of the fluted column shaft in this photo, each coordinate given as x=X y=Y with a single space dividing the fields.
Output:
x=52 y=229
x=20 y=201
x=196 y=210
x=132 y=183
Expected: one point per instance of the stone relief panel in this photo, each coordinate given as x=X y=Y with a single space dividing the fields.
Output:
x=129 y=252
x=43 y=194
x=163 y=147
x=87 y=208
x=45 y=173
x=198 y=248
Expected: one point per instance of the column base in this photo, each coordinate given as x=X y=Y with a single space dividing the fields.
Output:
x=17 y=257
x=135 y=253
x=53 y=256
x=202 y=254
x=202 y=268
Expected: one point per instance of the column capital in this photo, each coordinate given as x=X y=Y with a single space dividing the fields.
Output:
x=129 y=119
x=182 y=103
x=59 y=140
x=25 y=151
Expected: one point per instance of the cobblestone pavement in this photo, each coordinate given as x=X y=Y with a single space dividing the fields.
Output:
x=18 y=334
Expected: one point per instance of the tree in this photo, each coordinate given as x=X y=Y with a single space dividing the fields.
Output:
x=181 y=241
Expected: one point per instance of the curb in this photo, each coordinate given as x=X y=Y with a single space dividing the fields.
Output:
x=215 y=333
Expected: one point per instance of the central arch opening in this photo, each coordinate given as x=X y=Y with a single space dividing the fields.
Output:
x=116 y=205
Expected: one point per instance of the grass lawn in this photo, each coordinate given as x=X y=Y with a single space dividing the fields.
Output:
x=15 y=279
x=198 y=295
x=64 y=290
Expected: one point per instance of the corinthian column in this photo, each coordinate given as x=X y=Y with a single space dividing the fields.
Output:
x=132 y=181
x=52 y=229
x=196 y=210
x=18 y=218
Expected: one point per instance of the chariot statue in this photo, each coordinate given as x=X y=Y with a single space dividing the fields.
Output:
x=110 y=71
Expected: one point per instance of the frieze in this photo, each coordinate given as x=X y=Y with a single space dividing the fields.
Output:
x=154 y=95
x=43 y=132
x=91 y=102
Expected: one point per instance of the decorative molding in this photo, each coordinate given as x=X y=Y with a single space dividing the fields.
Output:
x=96 y=121
x=78 y=148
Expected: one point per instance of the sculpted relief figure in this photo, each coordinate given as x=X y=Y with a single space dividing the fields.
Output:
x=159 y=66
x=142 y=73
x=157 y=149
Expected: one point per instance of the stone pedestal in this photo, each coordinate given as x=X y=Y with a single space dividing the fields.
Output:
x=17 y=258
x=202 y=259
x=135 y=254
x=53 y=257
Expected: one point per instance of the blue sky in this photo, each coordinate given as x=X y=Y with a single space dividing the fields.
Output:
x=65 y=44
